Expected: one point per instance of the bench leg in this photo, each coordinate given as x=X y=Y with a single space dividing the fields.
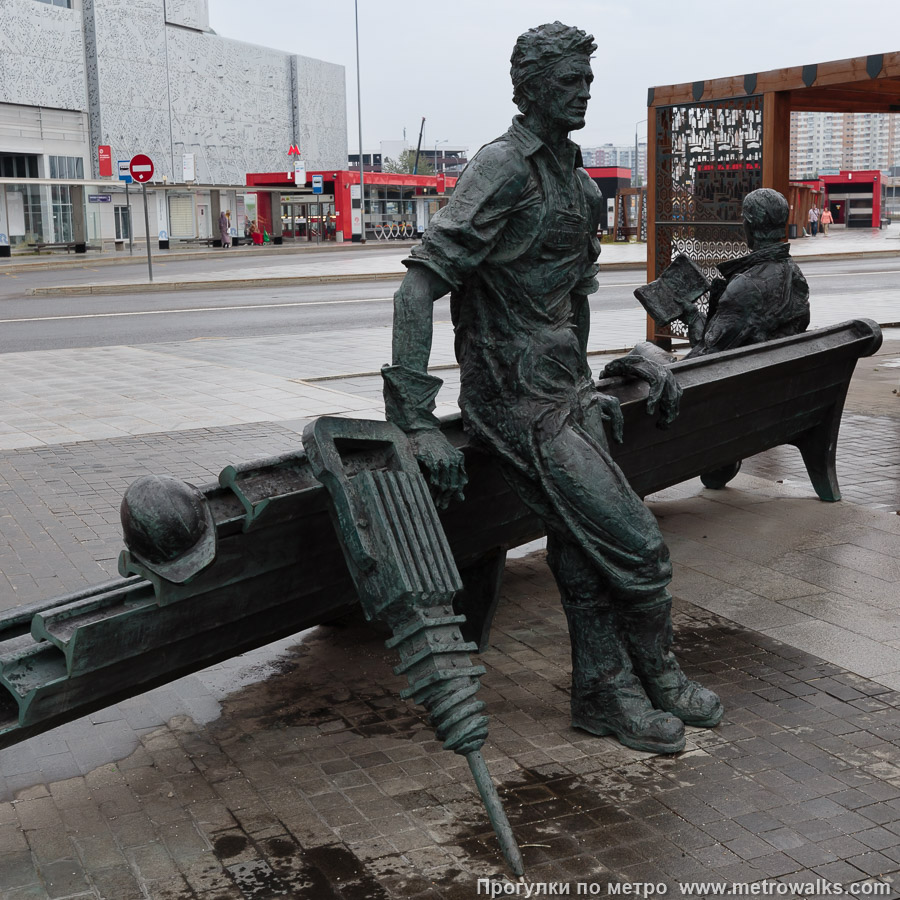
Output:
x=818 y=447
x=478 y=599
x=716 y=479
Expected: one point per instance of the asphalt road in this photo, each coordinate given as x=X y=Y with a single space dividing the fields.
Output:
x=41 y=323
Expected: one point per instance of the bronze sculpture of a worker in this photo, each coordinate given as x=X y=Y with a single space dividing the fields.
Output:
x=516 y=246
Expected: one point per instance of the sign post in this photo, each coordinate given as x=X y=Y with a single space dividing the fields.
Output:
x=141 y=169
x=125 y=175
x=318 y=187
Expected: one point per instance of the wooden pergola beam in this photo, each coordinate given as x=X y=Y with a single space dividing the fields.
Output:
x=842 y=100
x=855 y=73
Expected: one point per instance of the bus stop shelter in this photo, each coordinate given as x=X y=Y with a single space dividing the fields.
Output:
x=712 y=142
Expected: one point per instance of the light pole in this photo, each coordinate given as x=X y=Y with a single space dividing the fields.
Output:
x=362 y=168
x=635 y=168
x=435 y=153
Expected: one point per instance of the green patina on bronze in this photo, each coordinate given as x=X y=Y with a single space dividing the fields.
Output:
x=758 y=297
x=517 y=249
x=213 y=571
x=406 y=577
x=279 y=567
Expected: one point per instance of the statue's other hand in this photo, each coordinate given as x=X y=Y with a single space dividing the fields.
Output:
x=696 y=322
x=649 y=364
x=611 y=411
x=665 y=393
x=443 y=462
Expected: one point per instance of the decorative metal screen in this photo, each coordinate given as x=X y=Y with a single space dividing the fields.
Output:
x=708 y=158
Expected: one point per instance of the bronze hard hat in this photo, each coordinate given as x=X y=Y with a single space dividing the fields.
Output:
x=168 y=527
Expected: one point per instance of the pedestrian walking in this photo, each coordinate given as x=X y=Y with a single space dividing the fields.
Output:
x=825 y=220
x=223 y=230
x=813 y=220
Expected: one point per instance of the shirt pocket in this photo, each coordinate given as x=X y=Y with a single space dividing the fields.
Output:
x=565 y=231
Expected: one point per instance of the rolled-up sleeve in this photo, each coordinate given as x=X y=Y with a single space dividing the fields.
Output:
x=462 y=234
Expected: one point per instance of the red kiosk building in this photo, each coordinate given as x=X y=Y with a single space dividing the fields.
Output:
x=856 y=199
x=397 y=205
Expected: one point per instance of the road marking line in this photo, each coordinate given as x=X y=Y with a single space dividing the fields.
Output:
x=195 y=309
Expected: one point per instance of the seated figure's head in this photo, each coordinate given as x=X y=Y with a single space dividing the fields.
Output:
x=765 y=217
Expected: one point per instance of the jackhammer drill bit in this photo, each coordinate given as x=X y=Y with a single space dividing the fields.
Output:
x=406 y=576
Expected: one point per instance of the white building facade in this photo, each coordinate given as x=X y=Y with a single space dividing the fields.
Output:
x=149 y=77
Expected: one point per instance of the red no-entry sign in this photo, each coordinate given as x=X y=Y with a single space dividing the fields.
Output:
x=141 y=168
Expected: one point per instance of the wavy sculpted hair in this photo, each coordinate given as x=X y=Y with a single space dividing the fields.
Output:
x=541 y=48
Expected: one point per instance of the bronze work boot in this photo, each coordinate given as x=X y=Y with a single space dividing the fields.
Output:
x=648 y=632
x=624 y=710
x=607 y=697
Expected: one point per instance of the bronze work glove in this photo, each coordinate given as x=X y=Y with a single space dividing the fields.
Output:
x=646 y=362
x=409 y=403
x=611 y=411
x=444 y=464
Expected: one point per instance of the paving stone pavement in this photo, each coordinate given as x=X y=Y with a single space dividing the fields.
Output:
x=295 y=771
x=316 y=782
x=59 y=505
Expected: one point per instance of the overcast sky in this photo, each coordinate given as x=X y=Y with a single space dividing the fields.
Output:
x=448 y=60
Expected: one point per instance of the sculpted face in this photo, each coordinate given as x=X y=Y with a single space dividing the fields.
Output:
x=561 y=97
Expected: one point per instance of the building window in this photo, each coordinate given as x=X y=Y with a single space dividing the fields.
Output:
x=123 y=223
x=61 y=202
x=65 y=4
x=66 y=167
x=18 y=165
x=25 y=214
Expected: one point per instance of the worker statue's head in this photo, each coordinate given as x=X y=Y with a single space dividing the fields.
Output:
x=551 y=76
x=765 y=217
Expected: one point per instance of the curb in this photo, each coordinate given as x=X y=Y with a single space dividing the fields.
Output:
x=157 y=287
x=161 y=287
x=444 y=367
x=849 y=254
x=20 y=264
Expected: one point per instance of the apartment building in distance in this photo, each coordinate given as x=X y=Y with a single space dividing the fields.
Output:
x=823 y=143
x=618 y=156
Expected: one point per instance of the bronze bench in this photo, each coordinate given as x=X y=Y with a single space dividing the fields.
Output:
x=63 y=658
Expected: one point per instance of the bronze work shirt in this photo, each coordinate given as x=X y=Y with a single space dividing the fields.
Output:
x=516 y=243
